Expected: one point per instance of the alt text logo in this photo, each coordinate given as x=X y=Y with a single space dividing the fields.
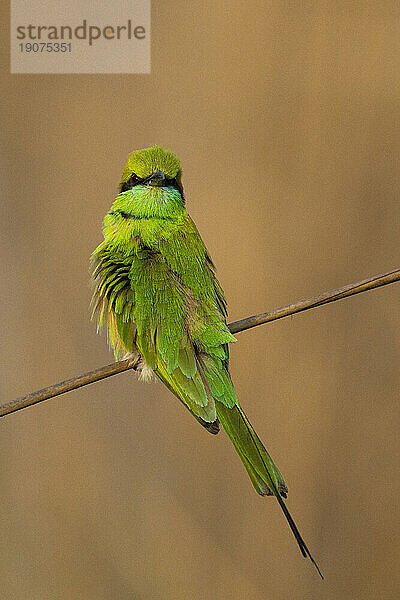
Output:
x=87 y=32
x=108 y=38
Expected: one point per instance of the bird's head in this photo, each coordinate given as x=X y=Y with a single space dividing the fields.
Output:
x=152 y=168
x=150 y=187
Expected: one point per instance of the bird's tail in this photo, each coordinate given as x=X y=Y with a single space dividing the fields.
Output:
x=264 y=474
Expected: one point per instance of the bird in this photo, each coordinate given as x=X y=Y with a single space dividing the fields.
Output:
x=157 y=296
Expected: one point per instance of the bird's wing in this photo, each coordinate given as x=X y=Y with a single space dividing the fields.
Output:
x=173 y=309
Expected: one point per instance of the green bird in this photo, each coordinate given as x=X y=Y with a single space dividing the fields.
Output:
x=158 y=296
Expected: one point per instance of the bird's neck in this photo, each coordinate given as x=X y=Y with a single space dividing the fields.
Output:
x=146 y=202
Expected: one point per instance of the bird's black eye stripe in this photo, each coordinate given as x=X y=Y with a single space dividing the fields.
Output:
x=135 y=180
x=172 y=183
x=132 y=181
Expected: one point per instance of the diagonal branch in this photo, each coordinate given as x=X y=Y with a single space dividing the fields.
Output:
x=291 y=309
x=278 y=313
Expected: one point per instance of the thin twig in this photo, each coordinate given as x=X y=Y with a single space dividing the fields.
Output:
x=273 y=315
x=314 y=301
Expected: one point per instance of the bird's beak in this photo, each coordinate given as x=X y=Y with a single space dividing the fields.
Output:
x=157 y=179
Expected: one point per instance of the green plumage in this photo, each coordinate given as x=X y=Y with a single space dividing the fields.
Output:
x=156 y=292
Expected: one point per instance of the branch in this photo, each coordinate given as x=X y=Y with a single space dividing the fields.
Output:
x=291 y=309
x=273 y=315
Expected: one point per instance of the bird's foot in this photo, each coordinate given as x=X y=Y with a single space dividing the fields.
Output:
x=137 y=363
x=134 y=359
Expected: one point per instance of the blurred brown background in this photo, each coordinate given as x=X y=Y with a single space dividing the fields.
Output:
x=285 y=116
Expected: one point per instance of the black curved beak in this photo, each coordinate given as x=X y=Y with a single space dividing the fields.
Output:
x=157 y=179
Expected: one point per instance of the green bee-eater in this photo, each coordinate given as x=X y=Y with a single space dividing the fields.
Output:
x=156 y=291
